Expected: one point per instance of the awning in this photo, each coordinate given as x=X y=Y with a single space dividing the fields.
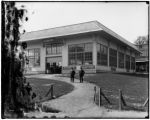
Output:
x=143 y=61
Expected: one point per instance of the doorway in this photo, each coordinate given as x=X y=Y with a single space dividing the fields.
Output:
x=53 y=65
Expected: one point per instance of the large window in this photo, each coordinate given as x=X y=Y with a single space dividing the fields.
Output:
x=54 y=49
x=34 y=57
x=80 y=54
x=132 y=63
x=127 y=62
x=102 y=52
x=121 y=60
x=112 y=57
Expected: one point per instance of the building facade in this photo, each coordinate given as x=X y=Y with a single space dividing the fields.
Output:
x=90 y=45
x=142 y=61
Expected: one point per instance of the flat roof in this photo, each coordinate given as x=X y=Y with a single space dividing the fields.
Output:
x=86 y=27
x=142 y=59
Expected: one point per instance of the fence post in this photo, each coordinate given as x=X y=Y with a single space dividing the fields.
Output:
x=120 y=105
x=95 y=94
x=146 y=102
x=100 y=100
x=52 y=91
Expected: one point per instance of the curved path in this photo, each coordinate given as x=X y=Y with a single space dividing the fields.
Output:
x=79 y=103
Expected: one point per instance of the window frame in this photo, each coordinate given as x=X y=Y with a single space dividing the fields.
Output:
x=76 y=52
x=128 y=61
x=132 y=63
x=112 y=58
x=121 y=61
x=55 y=49
x=34 y=57
x=102 y=54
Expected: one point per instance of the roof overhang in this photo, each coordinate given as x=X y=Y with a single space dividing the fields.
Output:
x=117 y=40
x=143 y=61
x=57 y=36
x=76 y=29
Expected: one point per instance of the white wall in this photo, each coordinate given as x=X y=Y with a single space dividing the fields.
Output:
x=79 y=39
x=65 y=55
x=76 y=40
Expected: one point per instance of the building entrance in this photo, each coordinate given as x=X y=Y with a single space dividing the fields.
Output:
x=53 y=65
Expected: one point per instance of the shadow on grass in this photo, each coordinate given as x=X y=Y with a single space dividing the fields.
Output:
x=115 y=106
x=114 y=103
x=135 y=108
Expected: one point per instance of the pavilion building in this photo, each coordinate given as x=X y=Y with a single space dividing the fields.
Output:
x=89 y=45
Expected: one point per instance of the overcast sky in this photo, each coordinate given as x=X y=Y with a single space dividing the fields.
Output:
x=128 y=19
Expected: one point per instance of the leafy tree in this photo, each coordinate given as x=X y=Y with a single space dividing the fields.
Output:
x=13 y=80
x=141 y=40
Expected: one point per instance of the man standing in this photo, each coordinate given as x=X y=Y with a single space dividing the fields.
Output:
x=81 y=74
x=72 y=75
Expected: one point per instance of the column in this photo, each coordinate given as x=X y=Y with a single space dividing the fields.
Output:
x=43 y=58
x=125 y=59
x=108 y=53
x=117 y=56
x=130 y=59
x=65 y=55
x=94 y=53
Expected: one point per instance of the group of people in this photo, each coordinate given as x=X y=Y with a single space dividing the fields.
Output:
x=81 y=75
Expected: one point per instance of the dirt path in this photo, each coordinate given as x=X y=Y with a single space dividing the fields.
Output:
x=79 y=103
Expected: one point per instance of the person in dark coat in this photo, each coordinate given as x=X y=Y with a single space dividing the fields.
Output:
x=72 y=75
x=81 y=74
x=28 y=88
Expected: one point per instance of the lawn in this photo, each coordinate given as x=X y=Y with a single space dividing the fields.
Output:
x=134 y=87
x=42 y=86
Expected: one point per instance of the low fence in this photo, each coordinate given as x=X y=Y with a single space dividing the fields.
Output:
x=120 y=103
x=49 y=95
x=51 y=91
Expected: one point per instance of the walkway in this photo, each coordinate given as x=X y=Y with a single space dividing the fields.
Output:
x=79 y=103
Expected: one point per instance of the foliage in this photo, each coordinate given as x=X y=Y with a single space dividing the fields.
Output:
x=141 y=40
x=13 y=80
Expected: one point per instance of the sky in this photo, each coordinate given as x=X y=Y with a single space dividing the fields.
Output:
x=128 y=19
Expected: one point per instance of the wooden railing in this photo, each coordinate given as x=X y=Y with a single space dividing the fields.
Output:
x=99 y=94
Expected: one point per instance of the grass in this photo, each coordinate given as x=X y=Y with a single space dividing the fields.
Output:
x=134 y=88
x=42 y=86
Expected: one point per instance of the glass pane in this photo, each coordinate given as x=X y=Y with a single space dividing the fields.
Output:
x=102 y=49
x=127 y=58
x=103 y=59
x=53 y=49
x=59 y=48
x=37 y=52
x=31 y=62
x=80 y=48
x=98 y=47
x=105 y=50
x=72 y=58
x=132 y=63
x=48 y=50
x=127 y=62
x=88 y=47
x=37 y=61
x=88 y=58
x=31 y=52
x=72 y=48
x=79 y=58
x=98 y=58
x=112 y=57
x=121 y=60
